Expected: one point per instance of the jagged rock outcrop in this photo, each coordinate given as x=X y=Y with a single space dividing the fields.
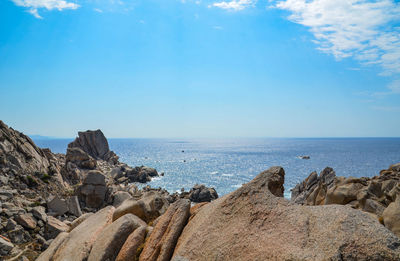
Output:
x=19 y=153
x=37 y=190
x=22 y=162
x=256 y=223
x=373 y=195
x=95 y=144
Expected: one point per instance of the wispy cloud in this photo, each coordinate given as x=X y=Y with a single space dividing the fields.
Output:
x=234 y=5
x=34 y=5
x=98 y=10
x=362 y=29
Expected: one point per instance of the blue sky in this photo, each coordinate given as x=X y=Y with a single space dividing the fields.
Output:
x=169 y=68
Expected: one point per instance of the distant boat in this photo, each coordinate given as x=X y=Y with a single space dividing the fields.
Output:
x=304 y=157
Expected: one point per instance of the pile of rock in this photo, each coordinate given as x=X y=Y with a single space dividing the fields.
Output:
x=254 y=222
x=378 y=196
x=41 y=193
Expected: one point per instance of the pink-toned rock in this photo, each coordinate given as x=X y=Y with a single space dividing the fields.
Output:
x=129 y=250
x=79 y=241
x=55 y=244
x=161 y=243
x=112 y=238
x=26 y=221
x=256 y=223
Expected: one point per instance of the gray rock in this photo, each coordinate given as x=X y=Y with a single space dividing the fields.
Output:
x=73 y=206
x=5 y=246
x=39 y=212
x=19 y=235
x=200 y=193
x=11 y=224
x=95 y=144
x=55 y=227
x=120 y=197
x=93 y=190
x=57 y=206
x=80 y=158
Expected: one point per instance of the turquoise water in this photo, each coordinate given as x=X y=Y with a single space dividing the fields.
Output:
x=225 y=164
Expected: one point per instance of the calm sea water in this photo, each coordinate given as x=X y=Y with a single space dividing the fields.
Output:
x=227 y=164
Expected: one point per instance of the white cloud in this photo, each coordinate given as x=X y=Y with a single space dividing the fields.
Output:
x=34 y=5
x=234 y=5
x=98 y=10
x=363 y=29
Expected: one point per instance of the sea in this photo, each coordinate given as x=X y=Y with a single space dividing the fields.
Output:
x=226 y=164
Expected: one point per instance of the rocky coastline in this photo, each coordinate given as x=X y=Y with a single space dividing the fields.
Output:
x=84 y=206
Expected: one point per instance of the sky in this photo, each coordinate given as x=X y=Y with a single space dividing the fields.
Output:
x=197 y=68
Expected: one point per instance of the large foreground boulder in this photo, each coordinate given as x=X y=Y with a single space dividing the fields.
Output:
x=129 y=251
x=256 y=223
x=111 y=239
x=77 y=245
x=160 y=245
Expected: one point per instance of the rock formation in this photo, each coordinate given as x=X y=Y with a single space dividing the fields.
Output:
x=95 y=144
x=256 y=223
x=376 y=196
x=41 y=193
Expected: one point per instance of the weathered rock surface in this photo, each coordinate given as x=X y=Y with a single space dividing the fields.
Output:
x=51 y=250
x=256 y=223
x=79 y=220
x=160 y=245
x=148 y=208
x=79 y=241
x=373 y=195
x=57 y=206
x=110 y=240
x=129 y=251
x=391 y=216
x=120 y=197
x=55 y=227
